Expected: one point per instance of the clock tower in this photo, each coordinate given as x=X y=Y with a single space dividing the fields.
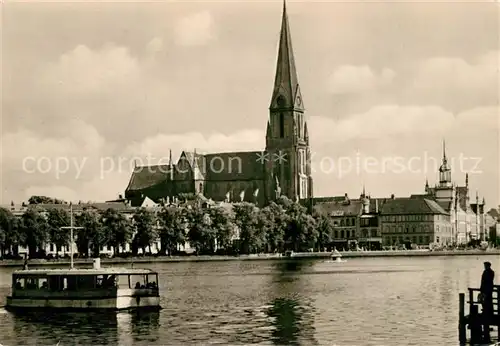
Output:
x=287 y=138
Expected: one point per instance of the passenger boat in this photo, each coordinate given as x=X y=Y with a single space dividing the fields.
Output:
x=84 y=289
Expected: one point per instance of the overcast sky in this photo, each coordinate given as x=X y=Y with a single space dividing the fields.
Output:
x=96 y=84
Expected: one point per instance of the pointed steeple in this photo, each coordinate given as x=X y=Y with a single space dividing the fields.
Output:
x=444 y=153
x=286 y=93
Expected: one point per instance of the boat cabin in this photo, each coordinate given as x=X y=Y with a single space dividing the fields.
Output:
x=86 y=282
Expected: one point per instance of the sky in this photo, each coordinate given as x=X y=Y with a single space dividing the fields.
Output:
x=91 y=89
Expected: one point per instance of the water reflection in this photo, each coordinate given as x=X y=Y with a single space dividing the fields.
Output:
x=291 y=313
x=99 y=328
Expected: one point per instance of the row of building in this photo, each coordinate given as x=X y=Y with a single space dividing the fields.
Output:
x=444 y=214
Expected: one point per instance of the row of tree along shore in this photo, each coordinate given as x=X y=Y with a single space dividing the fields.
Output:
x=218 y=230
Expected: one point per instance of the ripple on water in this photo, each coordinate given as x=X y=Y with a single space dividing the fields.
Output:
x=361 y=302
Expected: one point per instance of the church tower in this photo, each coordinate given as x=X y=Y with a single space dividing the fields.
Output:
x=287 y=138
x=445 y=188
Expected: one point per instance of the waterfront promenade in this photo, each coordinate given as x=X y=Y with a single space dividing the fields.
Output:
x=297 y=255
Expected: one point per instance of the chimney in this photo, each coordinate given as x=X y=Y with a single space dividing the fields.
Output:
x=392 y=196
x=376 y=206
x=120 y=196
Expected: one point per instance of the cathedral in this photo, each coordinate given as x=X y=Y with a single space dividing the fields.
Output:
x=256 y=176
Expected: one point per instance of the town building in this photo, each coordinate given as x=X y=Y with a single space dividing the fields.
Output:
x=283 y=168
x=467 y=217
x=355 y=221
x=419 y=221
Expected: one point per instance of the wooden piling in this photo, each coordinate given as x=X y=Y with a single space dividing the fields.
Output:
x=498 y=313
x=462 y=331
x=475 y=325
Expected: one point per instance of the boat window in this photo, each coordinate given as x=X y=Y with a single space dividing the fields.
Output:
x=137 y=281
x=71 y=283
x=109 y=281
x=43 y=283
x=31 y=283
x=151 y=281
x=99 y=281
x=85 y=282
x=20 y=283
x=55 y=283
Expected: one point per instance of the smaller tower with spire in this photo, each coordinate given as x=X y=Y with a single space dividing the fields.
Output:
x=444 y=191
x=444 y=170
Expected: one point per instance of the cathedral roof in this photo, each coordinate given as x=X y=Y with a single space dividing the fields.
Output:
x=147 y=176
x=210 y=167
x=243 y=165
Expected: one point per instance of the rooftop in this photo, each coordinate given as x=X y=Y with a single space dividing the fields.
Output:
x=101 y=271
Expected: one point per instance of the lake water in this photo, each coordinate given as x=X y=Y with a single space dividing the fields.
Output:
x=366 y=301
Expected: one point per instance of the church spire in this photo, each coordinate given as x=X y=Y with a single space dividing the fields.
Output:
x=445 y=160
x=286 y=93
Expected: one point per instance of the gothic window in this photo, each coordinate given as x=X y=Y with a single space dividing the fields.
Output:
x=282 y=125
x=299 y=125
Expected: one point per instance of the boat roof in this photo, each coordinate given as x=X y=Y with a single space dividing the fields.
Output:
x=101 y=271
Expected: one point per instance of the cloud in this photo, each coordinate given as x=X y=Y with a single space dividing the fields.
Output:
x=155 y=45
x=195 y=30
x=85 y=71
x=456 y=83
x=450 y=73
x=349 y=79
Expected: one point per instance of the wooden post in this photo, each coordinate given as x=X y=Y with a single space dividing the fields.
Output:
x=462 y=332
x=475 y=324
x=498 y=310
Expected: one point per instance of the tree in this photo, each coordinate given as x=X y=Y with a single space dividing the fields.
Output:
x=10 y=237
x=325 y=230
x=172 y=228
x=222 y=225
x=200 y=234
x=44 y=200
x=273 y=219
x=301 y=233
x=117 y=230
x=145 y=229
x=91 y=237
x=246 y=218
x=57 y=218
x=35 y=231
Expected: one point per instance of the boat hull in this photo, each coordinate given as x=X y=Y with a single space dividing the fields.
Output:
x=87 y=304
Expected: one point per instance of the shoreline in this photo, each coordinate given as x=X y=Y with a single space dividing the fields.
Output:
x=261 y=257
